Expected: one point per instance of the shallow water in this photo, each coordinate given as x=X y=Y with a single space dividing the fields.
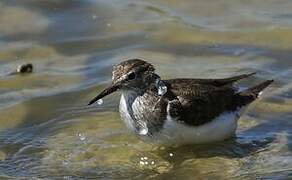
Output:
x=47 y=131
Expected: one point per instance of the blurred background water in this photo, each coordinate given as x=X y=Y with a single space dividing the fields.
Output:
x=46 y=131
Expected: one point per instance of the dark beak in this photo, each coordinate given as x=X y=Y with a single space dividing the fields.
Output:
x=107 y=91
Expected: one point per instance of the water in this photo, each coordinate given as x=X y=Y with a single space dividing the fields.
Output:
x=161 y=87
x=47 y=130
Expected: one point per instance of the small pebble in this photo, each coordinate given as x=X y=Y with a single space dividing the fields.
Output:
x=25 y=68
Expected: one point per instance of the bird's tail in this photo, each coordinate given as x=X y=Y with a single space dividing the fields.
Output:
x=247 y=96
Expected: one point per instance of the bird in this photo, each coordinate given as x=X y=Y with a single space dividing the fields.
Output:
x=178 y=111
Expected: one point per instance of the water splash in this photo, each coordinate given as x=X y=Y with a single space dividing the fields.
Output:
x=144 y=161
x=161 y=87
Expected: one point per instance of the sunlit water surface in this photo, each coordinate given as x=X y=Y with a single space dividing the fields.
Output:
x=47 y=131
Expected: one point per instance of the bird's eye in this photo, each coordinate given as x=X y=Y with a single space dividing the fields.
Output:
x=131 y=76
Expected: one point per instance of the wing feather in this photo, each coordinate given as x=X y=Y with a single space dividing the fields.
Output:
x=200 y=102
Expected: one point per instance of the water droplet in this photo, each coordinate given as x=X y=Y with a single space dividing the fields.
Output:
x=162 y=90
x=142 y=163
x=152 y=162
x=146 y=162
x=99 y=102
x=161 y=87
x=170 y=154
x=260 y=93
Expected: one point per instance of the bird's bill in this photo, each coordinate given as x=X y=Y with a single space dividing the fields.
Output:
x=112 y=88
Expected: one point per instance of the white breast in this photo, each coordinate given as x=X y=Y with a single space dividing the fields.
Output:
x=124 y=112
x=128 y=106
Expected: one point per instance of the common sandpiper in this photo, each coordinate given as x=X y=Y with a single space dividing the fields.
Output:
x=178 y=111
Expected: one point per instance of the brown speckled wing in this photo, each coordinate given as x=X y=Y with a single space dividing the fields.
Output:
x=212 y=82
x=202 y=101
x=199 y=101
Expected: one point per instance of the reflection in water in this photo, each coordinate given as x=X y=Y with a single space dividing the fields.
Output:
x=14 y=20
x=47 y=131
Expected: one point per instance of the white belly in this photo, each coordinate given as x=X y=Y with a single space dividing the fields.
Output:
x=176 y=133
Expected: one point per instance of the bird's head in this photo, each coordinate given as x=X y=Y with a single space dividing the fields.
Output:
x=130 y=75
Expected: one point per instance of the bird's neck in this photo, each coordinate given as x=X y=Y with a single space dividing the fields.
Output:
x=126 y=110
x=130 y=96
